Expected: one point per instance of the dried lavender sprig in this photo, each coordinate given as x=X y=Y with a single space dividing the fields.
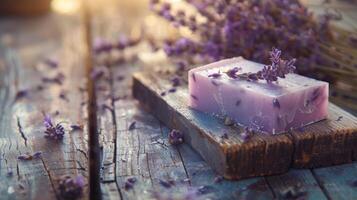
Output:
x=176 y=137
x=53 y=131
x=277 y=69
x=28 y=156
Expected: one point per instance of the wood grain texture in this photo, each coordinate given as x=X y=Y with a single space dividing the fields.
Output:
x=262 y=154
x=140 y=153
x=21 y=120
x=338 y=182
x=296 y=179
x=200 y=173
x=329 y=142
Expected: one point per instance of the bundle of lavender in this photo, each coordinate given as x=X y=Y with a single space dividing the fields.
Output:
x=246 y=28
x=228 y=28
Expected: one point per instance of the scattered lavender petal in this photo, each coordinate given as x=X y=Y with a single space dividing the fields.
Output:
x=21 y=94
x=218 y=179
x=40 y=87
x=194 y=77
x=37 y=154
x=97 y=73
x=51 y=62
x=238 y=102
x=176 y=137
x=120 y=78
x=24 y=157
x=102 y=46
x=164 y=183
x=172 y=90
x=9 y=173
x=58 y=79
x=175 y=81
x=132 y=126
x=128 y=185
x=301 y=129
x=163 y=93
x=71 y=187
x=276 y=103
x=232 y=73
x=132 y=180
x=215 y=75
x=76 y=127
x=63 y=96
x=224 y=136
x=339 y=118
x=194 y=97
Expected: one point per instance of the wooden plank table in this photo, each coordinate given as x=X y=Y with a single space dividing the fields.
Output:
x=143 y=152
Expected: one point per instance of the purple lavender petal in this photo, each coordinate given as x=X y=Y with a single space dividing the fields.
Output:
x=176 y=137
x=97 y=73
x=131 y=180
x=218 y=179
x=276 y=103
x=215 y=75
x=37 y=154
x=47 y=121
x=164 y=183
x=80 y=181
x=21 y=94
x=9 y=173
x=24 y=157
x=175 y=81
x=172 y=90
x=76 y=127
x=132 y=126
x=51 y=62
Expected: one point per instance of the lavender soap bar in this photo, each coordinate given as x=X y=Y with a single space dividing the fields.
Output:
x=230 y=88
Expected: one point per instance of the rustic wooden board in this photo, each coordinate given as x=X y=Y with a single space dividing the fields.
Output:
x=325 y=143
x=21 y=121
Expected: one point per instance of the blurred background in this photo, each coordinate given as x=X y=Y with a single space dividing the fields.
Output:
x=151 y=32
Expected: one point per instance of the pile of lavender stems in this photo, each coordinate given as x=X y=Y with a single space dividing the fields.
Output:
x=247 y=28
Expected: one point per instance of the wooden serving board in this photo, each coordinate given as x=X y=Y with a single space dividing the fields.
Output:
x=329 y=142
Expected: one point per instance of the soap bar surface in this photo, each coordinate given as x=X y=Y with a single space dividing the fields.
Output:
x=276 y=107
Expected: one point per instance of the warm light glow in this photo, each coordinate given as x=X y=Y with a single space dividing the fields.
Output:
x=65 y=6
x=174 y=1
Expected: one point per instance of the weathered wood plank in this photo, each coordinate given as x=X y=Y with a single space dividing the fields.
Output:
x=268 y=154
x=330 y=142
x=301 y=182
x=27 y=176
x=139 y=151
x=200 y=174
x=338 y=182
x=67 y=157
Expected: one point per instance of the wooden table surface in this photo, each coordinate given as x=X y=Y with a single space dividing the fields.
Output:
x=143 y=152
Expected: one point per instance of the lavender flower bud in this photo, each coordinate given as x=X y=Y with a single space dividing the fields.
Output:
x=176 y=137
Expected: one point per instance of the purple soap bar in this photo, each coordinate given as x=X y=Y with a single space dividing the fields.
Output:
x=274 y=107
